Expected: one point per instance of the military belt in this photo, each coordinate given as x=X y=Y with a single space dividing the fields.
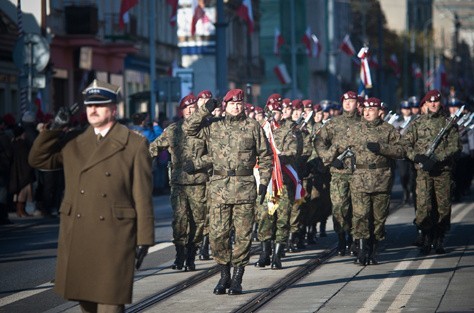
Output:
x=372 y=166
x=233 y=172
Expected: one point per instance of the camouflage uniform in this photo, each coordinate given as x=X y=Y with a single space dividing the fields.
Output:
x=234 y=144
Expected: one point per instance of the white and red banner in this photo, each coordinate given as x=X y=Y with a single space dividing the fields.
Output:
x=282 y=74
x=300 y=192
x=244 y=11
x=198 y=14
x=393 y=63
x=278 y=41
x=174 y=11
x=311 y=42
x=440 y=79
x=125 y=6
x=347 y=47
x=365 y=76
x=416 y=70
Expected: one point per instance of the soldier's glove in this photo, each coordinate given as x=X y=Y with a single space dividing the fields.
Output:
x=374 y=147
x=428 y=164
x=262 y=192
x=189 y=167
x=140 y=254
x=61 y=119
x=211 y=104
x=420 y=158
x=337 y=164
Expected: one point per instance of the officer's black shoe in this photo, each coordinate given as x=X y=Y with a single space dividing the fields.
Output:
x=373 y=252
x=180 y=257
x=224 y=282
x=322 y=229
x=204 y=251
x=190 y=257
x=310 y=235
x=276 y=259
x=341 y=245
x=264 y=259
x=236 y=283
x=292 y=243
x=362 y=255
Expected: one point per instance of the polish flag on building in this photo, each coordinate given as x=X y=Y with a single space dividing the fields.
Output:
x=347 y=47
x=311 y=42
x=244 y=11
x=393 y=63
x=174 y=11
x=440 y=79
x=365 y=76
x=198 y=14
x=278 y=41
x=125 y=6
x=416 y=70
x=282 y=74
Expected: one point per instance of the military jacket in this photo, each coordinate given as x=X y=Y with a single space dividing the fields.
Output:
x=423 y=131
x=331 y=134
x=234 y=144
x=182 y=148
x=290 y=145
x=373 y=171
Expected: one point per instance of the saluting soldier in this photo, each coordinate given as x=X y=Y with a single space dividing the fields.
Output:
x=327 y=145
x=433 y=178
x=374 y=143
x=235 y=143
x=188 y=185
x=107 y=211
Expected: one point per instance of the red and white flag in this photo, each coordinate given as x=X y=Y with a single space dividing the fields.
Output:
x=440 y=79
x=125 y=6
x=416 y=70
x=278 y=41
x=374 y=62
x=244 y=11
x=365 y=76
x=347 y=47
x=393 y=63
x=311 y=42
x=198 y=14
x=282 y=74
x=174 y=11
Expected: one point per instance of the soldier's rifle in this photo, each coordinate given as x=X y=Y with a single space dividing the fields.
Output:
x=393 y=118
x=347 y=153
x=302 y=121
x=388 y=116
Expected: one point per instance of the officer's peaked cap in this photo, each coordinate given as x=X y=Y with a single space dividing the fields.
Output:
x=99 y=92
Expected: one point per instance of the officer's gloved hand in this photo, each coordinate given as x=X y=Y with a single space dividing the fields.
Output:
x=189 y=167
x=61 y=119
x=337 y=164
x=420 y=158
x=140 y=254
x=262 y=192
x=211 y=104
x=373 y=147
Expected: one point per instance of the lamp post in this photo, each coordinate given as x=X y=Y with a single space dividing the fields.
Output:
x=425 y=54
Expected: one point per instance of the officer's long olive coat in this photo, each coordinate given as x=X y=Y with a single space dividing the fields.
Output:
x=106 y=211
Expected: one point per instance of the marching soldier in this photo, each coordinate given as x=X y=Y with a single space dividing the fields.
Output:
x=373 y=142
x=188 y=185
x=327 y=145
x=235 y=143
x=414 y=105
x=433 y=178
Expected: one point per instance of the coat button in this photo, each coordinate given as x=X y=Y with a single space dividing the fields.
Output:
x=82 y=192
x=104 y=195
x=107 y=174
x=101 y=218
x=78 y=215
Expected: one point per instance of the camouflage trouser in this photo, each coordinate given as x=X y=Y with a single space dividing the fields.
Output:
x=295 y=216
x=428 y=187
x=369 y=214
x=189 y=209
x=341 y=201
x=276 y=226
x=222 y=218
x=317 y=207
x=205 y=230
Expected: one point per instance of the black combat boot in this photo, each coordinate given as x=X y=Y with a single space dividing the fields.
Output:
x=439 y=243
x=351 y=245
x=204 y=251
x=264 y=259
x=190 y=257
x=224 y=282
x=310 y=235
x=300 y=240
x=341 y=245
x=236 y=283
x=276 y=259
x=420 y=239
x=322 y=229
x=180 y=257
x=292 y=243
x=425 y=249
x=373 y=252
x=362 y=254
x=255 y=231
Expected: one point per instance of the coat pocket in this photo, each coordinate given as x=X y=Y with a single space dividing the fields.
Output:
x=65 y=208
x=122 y=212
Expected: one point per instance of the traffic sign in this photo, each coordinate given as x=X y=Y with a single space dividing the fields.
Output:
x=33 y=50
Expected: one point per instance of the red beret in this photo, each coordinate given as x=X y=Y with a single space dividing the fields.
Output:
x=297 y=105
x=205 y=94
x=249 y=107
x=187 y=101
x=286 y=103
x=234 y=95
x=307 y=103
x=258 y=110
x=373 y=103
x=349 y=95
x=317 y=108
x=274 y=98
x=432 y=96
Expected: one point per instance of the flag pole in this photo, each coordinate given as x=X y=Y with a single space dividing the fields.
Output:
x=293 y=50
x=151 y=31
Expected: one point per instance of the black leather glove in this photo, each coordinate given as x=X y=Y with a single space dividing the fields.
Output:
x=211 y=104
x=189 y=167
x=420 y=158
x=140 y=254
x=337 y=164
x=61 y=119
x=262 y=192
x=428 y=164
x=373 y=147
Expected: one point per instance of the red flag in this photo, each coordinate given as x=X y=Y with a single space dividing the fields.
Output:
x=282 y=74
x=311 y=42
x=278 y=41
x=125 y=6
x=174 y=11
x=347 y=47
x=198 y=13
x=393 y=63
x=244 y=11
